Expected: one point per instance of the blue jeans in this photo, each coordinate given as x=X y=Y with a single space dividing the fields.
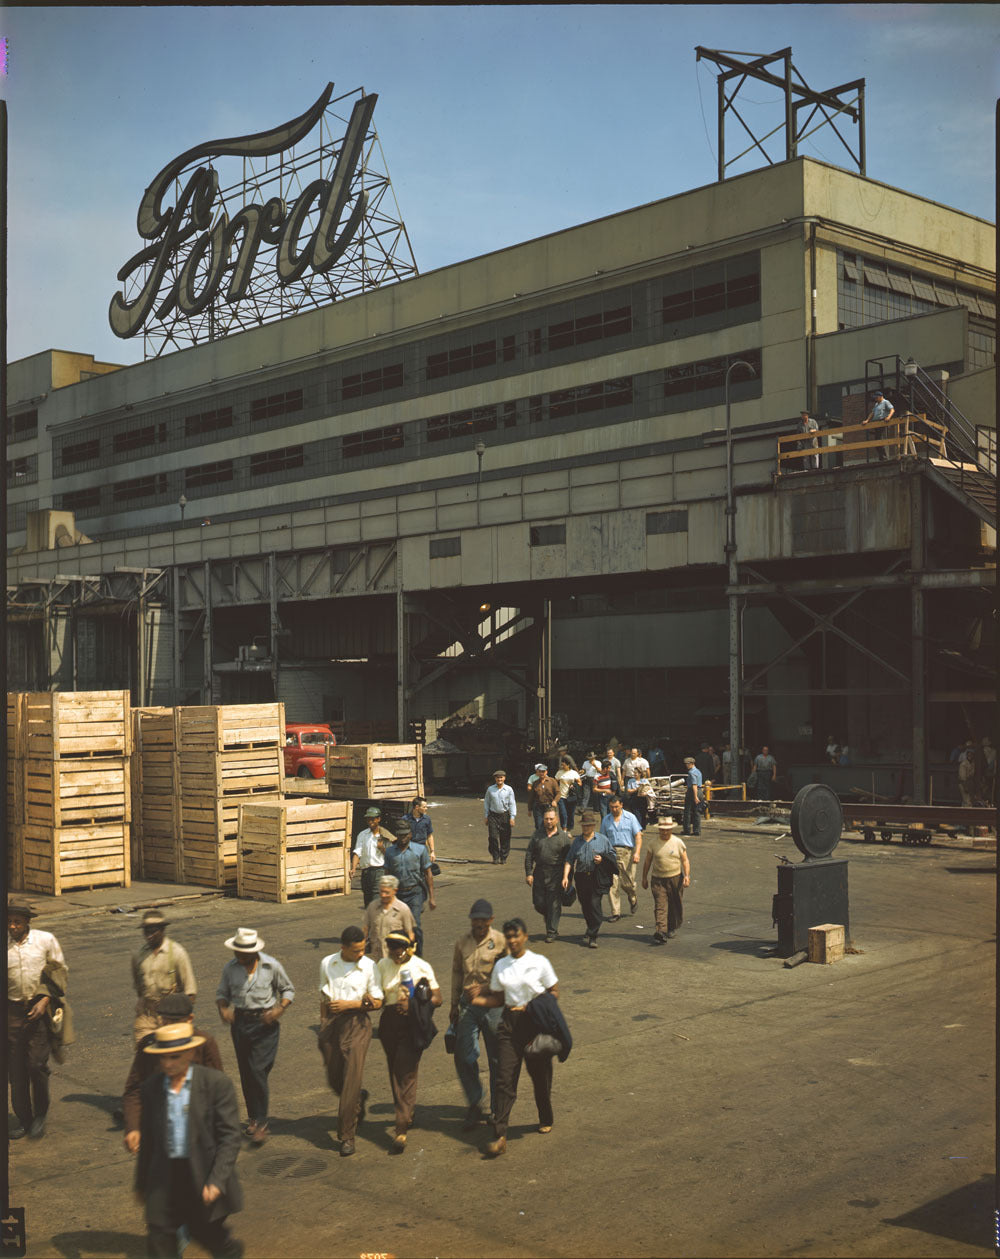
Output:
x=605 y=802
x=473 y=1020
x=567 y=810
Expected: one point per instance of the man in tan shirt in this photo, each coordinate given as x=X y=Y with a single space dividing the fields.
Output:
x=384 y=915
x=667 y=857
x=472 y=965
x=160 y=967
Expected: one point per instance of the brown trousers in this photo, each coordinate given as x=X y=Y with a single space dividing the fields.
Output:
x=343 y=1042
x=517 y=1030
x=668 y=904
x=403 y=1061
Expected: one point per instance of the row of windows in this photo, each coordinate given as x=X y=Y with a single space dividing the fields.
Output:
x=22 y=471
x=22 y=426
x=555 y=534
x=697 y=299
x=686 y=387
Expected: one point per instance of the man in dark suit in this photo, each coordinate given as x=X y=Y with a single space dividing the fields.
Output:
x=189 y=1139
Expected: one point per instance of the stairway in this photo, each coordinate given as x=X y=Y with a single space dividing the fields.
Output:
x=971 y=485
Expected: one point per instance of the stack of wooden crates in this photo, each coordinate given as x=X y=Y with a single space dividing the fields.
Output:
x=77 y=798
x=14 y=802
x=388 y=774
x=156 y=806
x=294 y=848
x=227 y=755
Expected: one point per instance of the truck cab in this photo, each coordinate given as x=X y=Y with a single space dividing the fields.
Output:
x=305 y=749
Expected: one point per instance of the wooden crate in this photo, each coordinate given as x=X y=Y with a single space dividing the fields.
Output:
x=241 y=771
x=68 y=793
x=60 y=859
x=92 y=724
x=293 y=849
x=14 y=800
x=156 y=812
x=376 y=770
x=15 y=724
x=15 y=857
x=218 y=727
x=208 y=831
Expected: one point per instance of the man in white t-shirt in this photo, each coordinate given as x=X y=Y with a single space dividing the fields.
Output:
x=369 y=853
x=348 y=989
x=667 y=859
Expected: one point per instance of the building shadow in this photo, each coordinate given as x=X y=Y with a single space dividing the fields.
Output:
x=88 y=1241
x=965 y=1215
x=972 y=869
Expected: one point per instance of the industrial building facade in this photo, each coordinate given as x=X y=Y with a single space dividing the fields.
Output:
x=500 y=488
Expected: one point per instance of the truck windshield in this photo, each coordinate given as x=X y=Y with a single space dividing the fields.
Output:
x=317 y=736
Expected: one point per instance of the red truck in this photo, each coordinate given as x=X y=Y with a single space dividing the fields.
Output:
x=305 y=749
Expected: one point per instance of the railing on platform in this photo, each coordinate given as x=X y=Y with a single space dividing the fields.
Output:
x=906 y=434
x=725 y=791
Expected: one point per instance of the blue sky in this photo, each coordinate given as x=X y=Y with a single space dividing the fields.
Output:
x=498 y=123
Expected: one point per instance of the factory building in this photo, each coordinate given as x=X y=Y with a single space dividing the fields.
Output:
x=501 y=488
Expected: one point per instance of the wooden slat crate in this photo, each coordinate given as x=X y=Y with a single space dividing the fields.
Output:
x=209 y=829
x=293 y=849
x=15 y=857
x=156 y=821
x=378 y=770
x=15 y=724
x=69 y=793
x=14 y=800
x=71 y=724
x=60 y=859
x=218 y=727
x=243 y=771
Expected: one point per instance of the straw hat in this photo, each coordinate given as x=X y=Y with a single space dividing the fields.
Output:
x=666 y=823
x=246 y=940
x=173 y=1039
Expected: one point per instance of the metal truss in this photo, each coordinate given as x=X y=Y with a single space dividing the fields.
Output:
x=836 y=102
x=38 y=595
x=379 y=253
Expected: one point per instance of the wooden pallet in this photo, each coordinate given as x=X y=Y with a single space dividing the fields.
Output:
x=376 y=770
x=68 y=793
x=208 y=832
x=293 y=849
x=76 y=724
x=15 y=724
x=61 y=859
x=218 y=727
x=229 y=773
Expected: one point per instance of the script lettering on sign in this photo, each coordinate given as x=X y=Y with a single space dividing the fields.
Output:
x=198 y=252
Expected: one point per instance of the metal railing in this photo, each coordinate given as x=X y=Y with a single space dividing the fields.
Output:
x=906 y=434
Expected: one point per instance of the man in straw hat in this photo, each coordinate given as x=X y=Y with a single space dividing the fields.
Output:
x=174 y=1008
x=667 y=862
x=160 y=967
x=499 y=812
x=188 y=1142
x=253 y=994
x=34 y=959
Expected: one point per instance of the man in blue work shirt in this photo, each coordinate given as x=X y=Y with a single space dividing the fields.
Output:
x=623 y=829
x=881 y=413
x=421 y=826
x=587 y=854
x=692 y=797
x=411 y=864
x=499 y=811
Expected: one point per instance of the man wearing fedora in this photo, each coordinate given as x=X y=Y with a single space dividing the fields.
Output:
x=36 y=975
x=160 y=967
x=668 y=865
x=173 y=1008
x=188 y=1142
x=253 y=994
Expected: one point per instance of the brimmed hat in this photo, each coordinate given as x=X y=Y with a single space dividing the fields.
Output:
x=666 y=823
x=153 y=918
x=22 y=907
x=403 y=828
x=246 y=940
x=481 y=909
x=373 y=812
x=177 y=1005
x=499 y=773
x=399 y=937
x=589 y=817
x=540 y=766
x=173 y=1039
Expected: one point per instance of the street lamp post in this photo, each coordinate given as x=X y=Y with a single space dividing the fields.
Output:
x=182 y=503
x=480 y=451
x=735 y=646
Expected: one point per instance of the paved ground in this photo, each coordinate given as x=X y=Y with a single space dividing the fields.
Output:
x=715 y=1103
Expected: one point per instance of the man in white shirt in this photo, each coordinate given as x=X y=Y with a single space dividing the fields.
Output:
x=348 y=989
x=29 y=953
x=369 y=853
x=499 y=812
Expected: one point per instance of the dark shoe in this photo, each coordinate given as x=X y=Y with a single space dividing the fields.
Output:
x=16 y=1133
x=495 y=1148
x=260 y=1134
x=550 y=937
x=473 y=1118
x=671 y=934
x=363 y=1105
x=592 y=943
x=496 y=861
x=118 y=1115
x=398 y=1143
x=37 y=1128
x=659 y=937
x=346 y=1149
x=633 y=905
x=503 y=861
x=613 y=918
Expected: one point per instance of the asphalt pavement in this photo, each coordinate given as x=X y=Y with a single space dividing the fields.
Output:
x=715 y=1102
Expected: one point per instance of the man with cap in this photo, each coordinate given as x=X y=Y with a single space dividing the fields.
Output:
x=253 y=994
x=369 y=853
x=411 y=864
x=385 y=915
x=544 y=859
x=189 y=1138
x=588 y=853
x=161 y=966
x=34 y=964
x=499 y=811
x=543 y=790
x=174 y=1008
x=881 y=413
x=348 y=989
x=421 y=826
x=476 y=953
x=667 y=862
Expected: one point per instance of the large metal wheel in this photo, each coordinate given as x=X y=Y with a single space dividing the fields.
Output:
x=817 y=820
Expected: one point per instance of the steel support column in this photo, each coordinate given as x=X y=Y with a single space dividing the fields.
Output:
x=918 y=668
x=274 y=623
x=401 y=671
x=206 y=638
x=176 y=578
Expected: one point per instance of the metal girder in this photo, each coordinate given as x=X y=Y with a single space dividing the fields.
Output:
x=121 y=586
x=944 y=579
